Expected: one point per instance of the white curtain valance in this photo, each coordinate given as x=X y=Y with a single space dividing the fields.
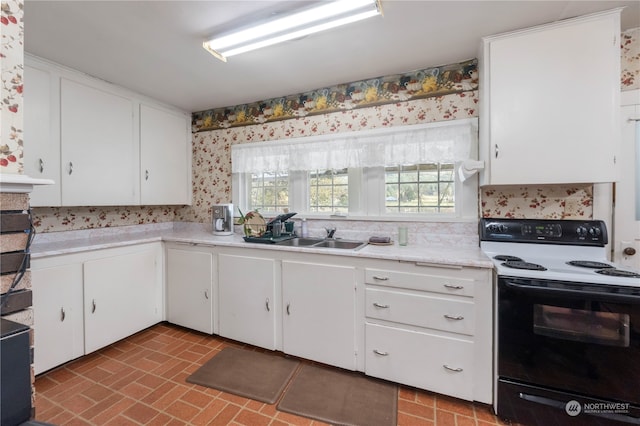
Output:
x=442 y=142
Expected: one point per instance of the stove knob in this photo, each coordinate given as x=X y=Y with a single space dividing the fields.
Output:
x=594 y=231
x=581 y=231
x=629 y=251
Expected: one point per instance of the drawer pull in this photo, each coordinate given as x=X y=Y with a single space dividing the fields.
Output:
x=381 y=353
x=93 y=306
x=375 y=277
x=63 y=314
x=41 y=165
x=288 y=308
x=206 y=294
x=380 y=305
x=455 y=370
x=454 y=287
x=266 y=304
x=451 y=317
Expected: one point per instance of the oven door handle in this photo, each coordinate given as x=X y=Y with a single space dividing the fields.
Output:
x=562 y=406
x=611 y=297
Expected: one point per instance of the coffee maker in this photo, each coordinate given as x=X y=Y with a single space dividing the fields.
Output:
x=222 y=219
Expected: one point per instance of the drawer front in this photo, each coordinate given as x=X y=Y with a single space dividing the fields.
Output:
x=434 y=363
x=455 y=316
x=445 y=283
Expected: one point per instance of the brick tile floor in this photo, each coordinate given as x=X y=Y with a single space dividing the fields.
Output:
x=141 y=381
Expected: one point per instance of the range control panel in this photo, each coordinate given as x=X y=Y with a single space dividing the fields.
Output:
x=573 y=232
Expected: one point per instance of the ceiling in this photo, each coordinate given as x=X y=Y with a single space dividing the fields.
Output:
x=155 y=47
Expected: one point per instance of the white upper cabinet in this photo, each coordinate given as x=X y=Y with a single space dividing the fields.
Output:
x=101 y=144
x=99 y=153
x=165 y=154
x=550 y=102
x=42 y=133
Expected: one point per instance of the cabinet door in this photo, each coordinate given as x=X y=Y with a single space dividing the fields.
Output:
x=100 y=159
x=122 y=295
x=319 y=312
x=58 y=315
x=553 y=101
x=165 y=153
x=42 y=133
x=190 y=297
x=247 y=287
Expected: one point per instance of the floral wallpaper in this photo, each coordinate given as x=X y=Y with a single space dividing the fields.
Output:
x=537 y=202
x=51 y=219
x=630 y=66
x=212 y=171
x=11 y=63
x=436 y=81
x=212 y=149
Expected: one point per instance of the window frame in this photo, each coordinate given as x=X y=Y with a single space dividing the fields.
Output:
x=367 y=201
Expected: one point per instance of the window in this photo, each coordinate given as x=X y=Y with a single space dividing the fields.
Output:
x=269 y=191
x=383 y=173
x=329 y=191
x=420 y=188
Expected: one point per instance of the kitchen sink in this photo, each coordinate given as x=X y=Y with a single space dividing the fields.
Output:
x=300 y=242
x=340 y=244
x=323 y=243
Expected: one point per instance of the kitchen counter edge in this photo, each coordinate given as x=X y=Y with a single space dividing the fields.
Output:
x=437 y=254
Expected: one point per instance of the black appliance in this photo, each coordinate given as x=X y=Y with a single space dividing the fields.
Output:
x=567 y=324
x=15 y=373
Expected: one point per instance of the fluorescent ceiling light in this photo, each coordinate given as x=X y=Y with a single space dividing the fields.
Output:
x=299 y=24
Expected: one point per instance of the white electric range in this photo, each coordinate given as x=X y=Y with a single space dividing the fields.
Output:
x=567 y=335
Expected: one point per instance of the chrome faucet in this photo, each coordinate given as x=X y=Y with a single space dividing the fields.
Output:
x=330 y=232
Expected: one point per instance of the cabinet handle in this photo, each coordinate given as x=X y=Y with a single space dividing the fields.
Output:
x=457 y=318
x=497 y=150
x=266 y=304
x=455 y=370
x=93 y=306
x=63 y=314
x=288 y=309
x=206 y=294
x=375 y=277
x=146 y=175
x=454 y=287
x=381 y=353
x=380 y=305
x=70 y=168
x=41 y=165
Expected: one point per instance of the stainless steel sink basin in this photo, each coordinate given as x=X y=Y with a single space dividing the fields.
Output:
x=340 y=244
x=300 y=242
x=323 y=243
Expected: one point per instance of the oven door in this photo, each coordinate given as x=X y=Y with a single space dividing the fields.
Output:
x=571 y=337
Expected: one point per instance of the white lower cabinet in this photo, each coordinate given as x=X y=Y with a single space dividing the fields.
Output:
x=88 y=300
x=439 y=364
x=247 y=295
x=190 y=296
x=122 y=295
x=430 y=327
x=58 y=315
x=319 y=308
x=427 y=326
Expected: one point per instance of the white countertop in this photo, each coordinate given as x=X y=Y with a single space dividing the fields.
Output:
x=59 y=243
